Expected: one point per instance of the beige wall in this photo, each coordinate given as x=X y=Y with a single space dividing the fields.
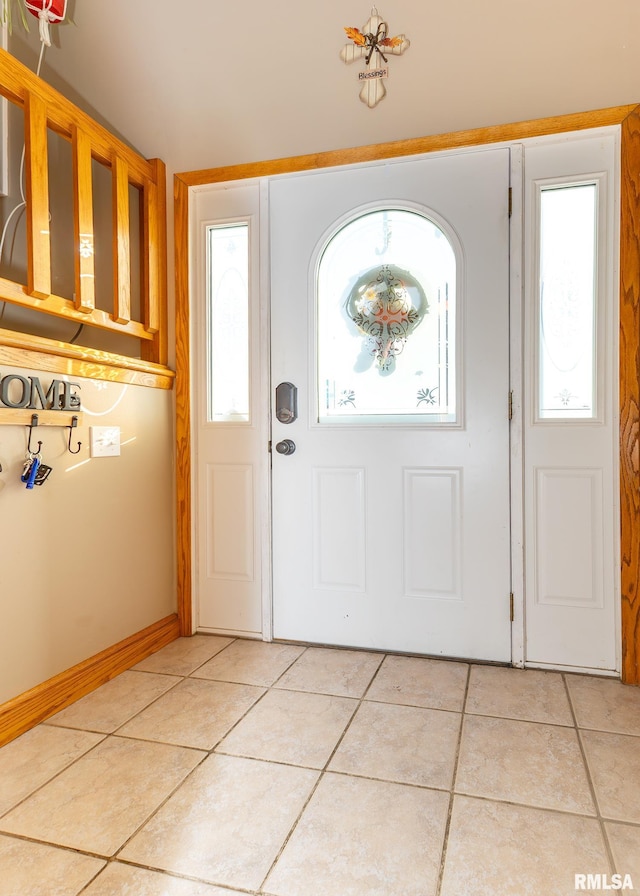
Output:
x=86 y=558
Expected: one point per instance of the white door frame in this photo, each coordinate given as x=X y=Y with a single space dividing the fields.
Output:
x=516 y=374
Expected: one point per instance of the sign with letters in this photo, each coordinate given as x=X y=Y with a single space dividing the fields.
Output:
x=27 y=392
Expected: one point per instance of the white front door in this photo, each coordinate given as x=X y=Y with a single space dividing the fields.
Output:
x=391 y=517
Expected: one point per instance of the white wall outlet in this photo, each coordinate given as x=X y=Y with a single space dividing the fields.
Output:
x=105 y=441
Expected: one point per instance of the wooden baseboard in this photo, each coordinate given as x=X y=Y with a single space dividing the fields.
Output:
x=48 y=698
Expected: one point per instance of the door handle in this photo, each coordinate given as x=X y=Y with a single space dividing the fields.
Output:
x=286 y=446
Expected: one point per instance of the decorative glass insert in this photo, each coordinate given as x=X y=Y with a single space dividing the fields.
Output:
x=386 y=305
x=228 y=323
x=386 y=293
x=567 y=302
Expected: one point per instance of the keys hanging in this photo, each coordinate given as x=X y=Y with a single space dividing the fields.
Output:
x=35 y=472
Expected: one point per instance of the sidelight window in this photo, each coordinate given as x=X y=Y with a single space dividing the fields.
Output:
x=228 y=323
x=567 y=301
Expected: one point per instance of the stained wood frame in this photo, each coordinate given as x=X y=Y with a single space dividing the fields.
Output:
x=628 y=117
x=47 y=110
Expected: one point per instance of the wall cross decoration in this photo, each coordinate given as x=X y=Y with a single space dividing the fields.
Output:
x=373 y=45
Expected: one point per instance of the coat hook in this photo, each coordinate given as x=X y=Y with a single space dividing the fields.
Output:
x=34 y=422
x=74 y=423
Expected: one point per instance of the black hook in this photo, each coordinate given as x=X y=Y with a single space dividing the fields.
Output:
x=74 y=423
x=34 y=422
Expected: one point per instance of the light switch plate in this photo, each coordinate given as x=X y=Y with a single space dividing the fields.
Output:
x=104 y=441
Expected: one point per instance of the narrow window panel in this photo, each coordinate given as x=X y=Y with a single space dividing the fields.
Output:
x=567 y=302
x=386 y=296
x=228 y=323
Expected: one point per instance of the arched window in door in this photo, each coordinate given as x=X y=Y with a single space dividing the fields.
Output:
x=386 y=314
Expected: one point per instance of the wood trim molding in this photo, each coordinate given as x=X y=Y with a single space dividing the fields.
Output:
x=36 y=353
x=629 y=118
x=58 y=306
x=183 y=409
x=503 y=133
x=23 y=416
x=630 y=396
x=154 y=240
x=48 y=698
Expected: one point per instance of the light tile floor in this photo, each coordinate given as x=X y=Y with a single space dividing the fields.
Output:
x=221 y=766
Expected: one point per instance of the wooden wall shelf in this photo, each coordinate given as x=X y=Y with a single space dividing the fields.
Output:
x=22 y=417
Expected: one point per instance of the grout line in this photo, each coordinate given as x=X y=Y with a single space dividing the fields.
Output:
x=548 y=810
x=138 y=739
x=321 y=774
x=182 y=674
x=146 y=707
x=360 y=702
x=292 y=663
x=54 y=845
x=208 y=751
x=373 y=678
x=140 y=672
x=608 y=730
x=447 y=830
x=39 y=787
x=212 y=750
x=587 y=768
x=249 y=684
x=93 y=879
x=213 y=655
x=157 y=808
x=172 y=875
x=505 y=718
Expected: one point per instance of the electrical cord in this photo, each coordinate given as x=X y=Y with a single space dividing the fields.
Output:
x=23 y=198
x=76 y=334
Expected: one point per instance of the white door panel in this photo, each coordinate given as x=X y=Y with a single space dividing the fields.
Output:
x=571 y=481
x=231 y=470
x=396 y=536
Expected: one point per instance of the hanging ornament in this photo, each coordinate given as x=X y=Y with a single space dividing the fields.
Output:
x=373 y=44
x=386 y=304
x=48 y=12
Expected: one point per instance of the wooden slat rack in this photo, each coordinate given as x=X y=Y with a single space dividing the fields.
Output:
x=46 y=109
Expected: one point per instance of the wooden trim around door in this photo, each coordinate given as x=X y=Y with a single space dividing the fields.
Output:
x=183 y=408
x=630 y=394
x=629 y=119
